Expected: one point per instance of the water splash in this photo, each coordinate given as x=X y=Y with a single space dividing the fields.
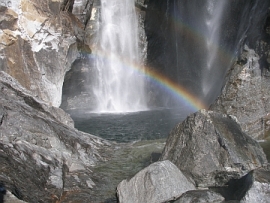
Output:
x=118 y=88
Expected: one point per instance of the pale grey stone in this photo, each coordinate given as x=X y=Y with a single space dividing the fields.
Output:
x=159 y=182
x=260 y=189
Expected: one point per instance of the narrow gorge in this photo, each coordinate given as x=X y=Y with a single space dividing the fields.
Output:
x=134 y=101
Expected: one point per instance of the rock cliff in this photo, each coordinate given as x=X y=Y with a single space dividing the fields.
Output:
x=38 y=45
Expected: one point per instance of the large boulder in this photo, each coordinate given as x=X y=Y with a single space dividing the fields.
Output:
x=43 y=158
x=210 y=148
x=159 y=182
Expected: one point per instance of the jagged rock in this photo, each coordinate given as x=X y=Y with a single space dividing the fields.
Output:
x=200 y=196
x=246 y=95
x=38 y=45
x=210 y=148
x=42 y=158
x=159 y=182
x=260 y=189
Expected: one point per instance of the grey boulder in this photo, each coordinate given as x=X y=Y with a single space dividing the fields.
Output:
x=210 y=149
x=260 y=188
x=159 y=182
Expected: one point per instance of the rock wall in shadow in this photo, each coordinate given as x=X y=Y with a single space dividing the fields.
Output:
x=181 y=35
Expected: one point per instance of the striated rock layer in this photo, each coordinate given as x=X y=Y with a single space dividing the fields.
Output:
x=43 y=158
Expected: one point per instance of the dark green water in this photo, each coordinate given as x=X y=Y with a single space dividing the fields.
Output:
x=129 y=127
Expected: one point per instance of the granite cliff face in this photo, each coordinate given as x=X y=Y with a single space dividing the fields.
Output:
x=38 y=45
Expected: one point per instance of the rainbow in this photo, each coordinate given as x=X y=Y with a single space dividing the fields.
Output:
x=176 y=90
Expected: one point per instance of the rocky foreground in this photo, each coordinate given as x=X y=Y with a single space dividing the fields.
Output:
x=207 y=158
x=43 y=157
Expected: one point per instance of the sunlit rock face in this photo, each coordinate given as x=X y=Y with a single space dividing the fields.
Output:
x=38 y=44
x=82 y=9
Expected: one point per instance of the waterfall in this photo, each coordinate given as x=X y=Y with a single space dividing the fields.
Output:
x=212 y=20
x=119 y=85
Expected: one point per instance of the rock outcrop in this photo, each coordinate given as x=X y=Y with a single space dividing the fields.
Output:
x=210 y=148
x=43 y=158
x=246 y=95
x=159 y=182
x=260 y=188
x=38 y=44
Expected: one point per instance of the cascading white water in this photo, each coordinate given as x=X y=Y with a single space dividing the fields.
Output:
x=214 y=13
x=119 y=82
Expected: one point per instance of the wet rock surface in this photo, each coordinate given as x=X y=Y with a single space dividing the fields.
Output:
x=210 y=149
x=43 y=158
